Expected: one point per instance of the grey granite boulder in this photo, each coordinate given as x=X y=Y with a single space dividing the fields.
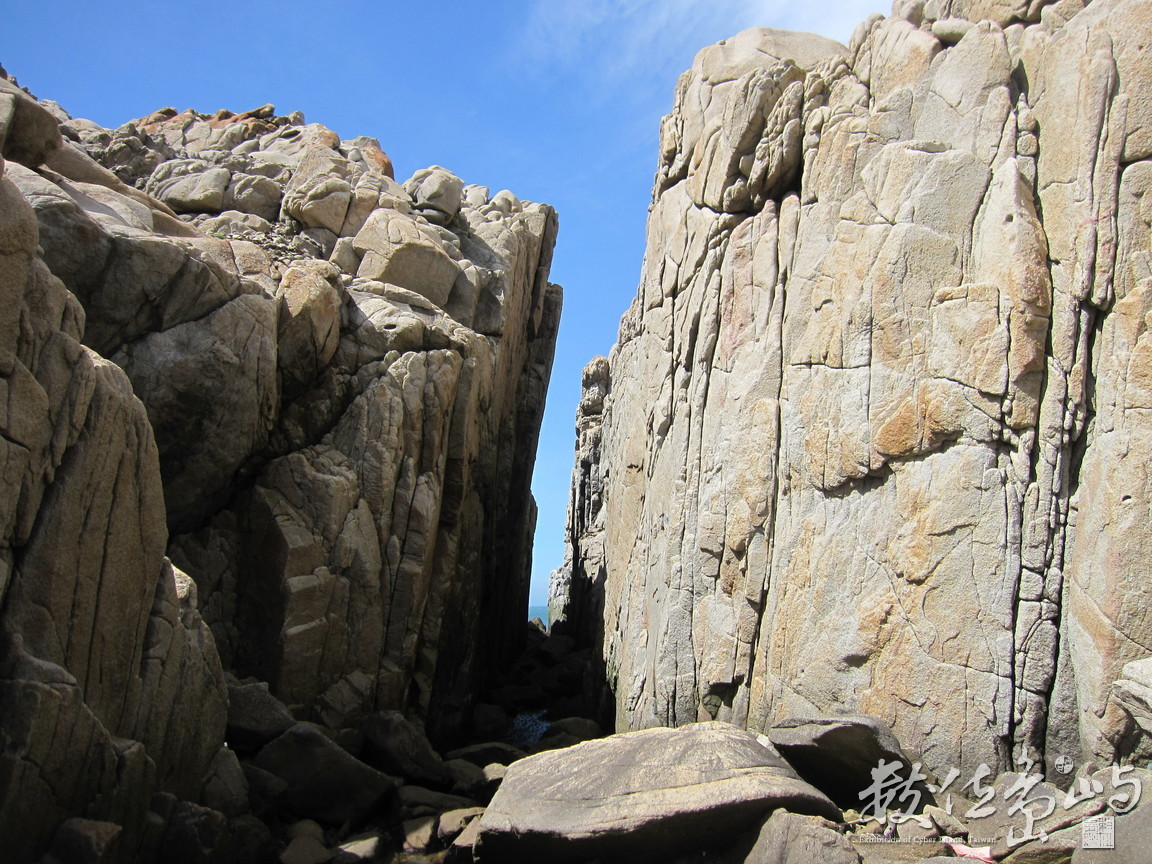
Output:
x=789 y=838
x=398 y=745
x=323 y=781
x=255 y=716
x=640 y=796
x=838 y=754
x=29 y=134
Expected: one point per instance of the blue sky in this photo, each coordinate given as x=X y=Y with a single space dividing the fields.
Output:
x=557 y=100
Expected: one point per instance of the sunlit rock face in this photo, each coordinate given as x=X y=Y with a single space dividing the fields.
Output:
x=263 y=410
x=875 y=434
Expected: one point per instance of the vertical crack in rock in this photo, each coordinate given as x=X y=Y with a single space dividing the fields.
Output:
x=248 y=382
x=909 y=475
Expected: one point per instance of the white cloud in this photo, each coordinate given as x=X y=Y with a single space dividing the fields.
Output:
x=622 y=37
x=610 y=39
x=835 y=19
x=615 y=62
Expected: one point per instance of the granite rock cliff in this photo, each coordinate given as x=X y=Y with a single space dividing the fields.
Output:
x=265 y=410
x=875 y=434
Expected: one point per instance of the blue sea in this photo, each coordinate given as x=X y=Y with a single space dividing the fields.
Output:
x=540 y=612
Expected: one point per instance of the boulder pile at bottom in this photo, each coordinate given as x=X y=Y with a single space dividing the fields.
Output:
x=641 y=796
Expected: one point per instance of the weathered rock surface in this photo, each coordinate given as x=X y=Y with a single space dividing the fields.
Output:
x=321 y=780
x=255 y=716
x=234 y=342
x=1133 y=693
x=110 y=686
x=789 y=838
x=1008 y=831
x=1133 y=835
x=397 y=746
x=838 y=754
x=875 y=433
x=640 y=796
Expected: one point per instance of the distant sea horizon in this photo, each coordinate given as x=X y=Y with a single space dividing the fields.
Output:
x=540 y=612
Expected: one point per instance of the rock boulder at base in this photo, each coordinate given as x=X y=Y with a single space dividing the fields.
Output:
x=255 y=716
x=84 y=841
x=398 y=745
x=789 y=838
x=487 y=753
x=640 y=796
x=225 y=786
x=838 y=754
x=323 y=781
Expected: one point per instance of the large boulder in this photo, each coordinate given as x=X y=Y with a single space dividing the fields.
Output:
x=319 y=192
x=255 y=716
x=640 y=796
x=789 y=838
x=436 y=193
x=309 y=326
x=397 y=745
x=323 y=781
x=210 y=387
x=225 y=786
x=84 y=841
x=190 y=185
x=838 y=754
x=29 y=134
x=403 y=252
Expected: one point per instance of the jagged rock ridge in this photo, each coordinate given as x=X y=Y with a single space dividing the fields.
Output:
x=874 y=437
x=262 y=405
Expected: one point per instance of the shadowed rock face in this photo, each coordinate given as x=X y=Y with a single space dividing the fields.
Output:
x=236 y=343
x=838 y=754
x=874 y=437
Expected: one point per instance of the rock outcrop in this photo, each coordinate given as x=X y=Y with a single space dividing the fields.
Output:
x=875 y=434
x=642 y=796
x=110 y=685
x=262 y=409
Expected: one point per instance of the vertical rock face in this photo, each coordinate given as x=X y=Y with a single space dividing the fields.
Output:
x=110 y=684
x=874 y=436
x=248 y=376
